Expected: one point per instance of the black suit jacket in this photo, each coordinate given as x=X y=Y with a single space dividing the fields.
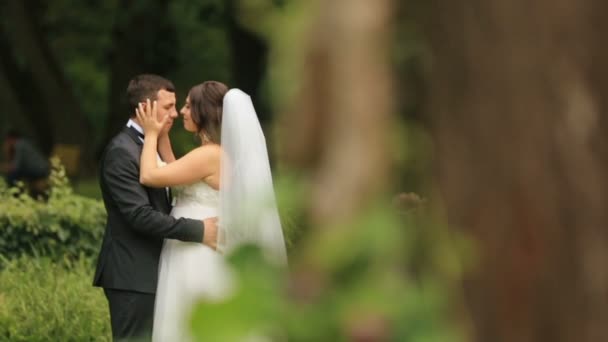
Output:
x=138 y=220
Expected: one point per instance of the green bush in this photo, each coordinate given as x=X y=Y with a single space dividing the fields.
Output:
x=44 y=300
x=71 y=224
x=384 y=276
x=63 y=224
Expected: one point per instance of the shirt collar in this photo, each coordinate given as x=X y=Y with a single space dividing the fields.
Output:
x=137 y=127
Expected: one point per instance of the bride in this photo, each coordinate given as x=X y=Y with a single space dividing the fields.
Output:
x=227 y=176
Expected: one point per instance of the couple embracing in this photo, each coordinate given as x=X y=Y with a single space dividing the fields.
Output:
x=170 y=221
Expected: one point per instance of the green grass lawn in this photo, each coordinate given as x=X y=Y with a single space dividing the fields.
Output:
x=42 y=300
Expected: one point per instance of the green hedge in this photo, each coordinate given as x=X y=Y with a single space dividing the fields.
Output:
x=64 y=224
x=45 y=300
x=70 y=224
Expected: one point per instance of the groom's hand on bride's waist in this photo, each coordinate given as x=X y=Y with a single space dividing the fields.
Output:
x=210 y=233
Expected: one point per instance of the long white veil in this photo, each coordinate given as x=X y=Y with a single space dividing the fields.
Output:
x=248 y=211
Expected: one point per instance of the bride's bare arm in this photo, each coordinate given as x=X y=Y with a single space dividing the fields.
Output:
x=197 y=165
x=164 y=148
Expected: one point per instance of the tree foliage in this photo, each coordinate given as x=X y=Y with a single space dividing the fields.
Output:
x=66 y=64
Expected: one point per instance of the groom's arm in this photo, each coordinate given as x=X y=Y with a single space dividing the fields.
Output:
x=120 y=174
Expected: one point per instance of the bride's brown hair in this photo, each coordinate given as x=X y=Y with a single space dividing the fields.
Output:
x=206 y=106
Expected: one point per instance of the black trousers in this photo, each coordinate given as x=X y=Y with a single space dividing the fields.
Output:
x=131 y=315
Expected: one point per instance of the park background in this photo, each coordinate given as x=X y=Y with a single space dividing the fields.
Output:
x=438 y=164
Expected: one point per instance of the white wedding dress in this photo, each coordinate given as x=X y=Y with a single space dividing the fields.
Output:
x=247 y=212
x=188 y=271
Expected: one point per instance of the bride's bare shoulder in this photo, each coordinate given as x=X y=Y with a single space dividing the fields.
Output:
x=210 y=148
x=208 y=151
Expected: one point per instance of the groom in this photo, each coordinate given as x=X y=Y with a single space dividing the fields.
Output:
x=138 y=219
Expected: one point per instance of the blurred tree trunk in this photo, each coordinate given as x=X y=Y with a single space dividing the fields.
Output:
x=39 y=78
x=337 y=129
x=249 y=60
x=338 y=124
x=518 y=102
x=144 y=41
x=25 y=89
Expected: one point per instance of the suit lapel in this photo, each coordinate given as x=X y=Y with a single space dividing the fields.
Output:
x=134 y=135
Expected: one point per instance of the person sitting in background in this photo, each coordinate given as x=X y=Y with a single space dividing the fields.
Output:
x=23 y=161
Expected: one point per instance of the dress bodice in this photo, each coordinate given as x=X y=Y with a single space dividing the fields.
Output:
x=199 y=193
x=188 y=271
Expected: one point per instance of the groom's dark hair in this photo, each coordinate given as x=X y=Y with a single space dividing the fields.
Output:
x=146 y=86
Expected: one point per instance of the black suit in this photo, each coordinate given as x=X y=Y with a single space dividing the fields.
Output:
x=138 y=221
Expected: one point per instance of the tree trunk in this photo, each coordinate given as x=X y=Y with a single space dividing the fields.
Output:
x=337 y=134
x=517 y=101
x=43 y=76
x=337 y=126
x=249 y=59
x=25 y=90
x=144 y=41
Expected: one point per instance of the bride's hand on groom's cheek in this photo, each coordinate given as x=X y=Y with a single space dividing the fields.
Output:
x=147 y=115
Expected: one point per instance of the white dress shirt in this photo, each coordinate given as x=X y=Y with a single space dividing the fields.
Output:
x=137 y=127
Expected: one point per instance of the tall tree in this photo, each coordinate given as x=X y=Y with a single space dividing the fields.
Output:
x=518 y=105
x=25 y=89
x=36 y=76
x=144 y=41
x=249 y=58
